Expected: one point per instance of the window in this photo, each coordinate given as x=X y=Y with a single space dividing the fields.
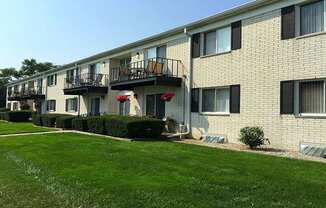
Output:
x=216 y=100
x=125 y=61
x=210 y=43
x=70 y=75
x=218 y=41
x=71 y=105
x=155 y=52
x=9 y=106
x=15 y=106
x=155 y=106
x=52 y=80
x=124 y=108
x=312 y=97
x=51 y=105
x=224 y=40
x=312 y=17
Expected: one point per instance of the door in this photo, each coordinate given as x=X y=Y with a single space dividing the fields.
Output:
x=95 y=107
x=155 y=106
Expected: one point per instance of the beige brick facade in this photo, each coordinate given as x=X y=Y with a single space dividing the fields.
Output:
x=263 y=61
x=259 y=66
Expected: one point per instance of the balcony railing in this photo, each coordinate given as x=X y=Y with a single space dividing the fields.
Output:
x=86 y=80
x=146 y=69
x=29 y=93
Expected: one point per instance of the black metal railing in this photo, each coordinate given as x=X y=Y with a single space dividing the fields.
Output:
x=146 y=68
x=28 y=92
x=86 y=80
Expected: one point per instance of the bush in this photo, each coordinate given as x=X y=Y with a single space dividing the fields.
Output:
x=4 y=109
x=37 y=119
x=64 y=122
x=96 y=124
x=2 y=115
x=49 y=120
x=80 y=124
x=17 y=116
x=133 y=127
x=252 y=136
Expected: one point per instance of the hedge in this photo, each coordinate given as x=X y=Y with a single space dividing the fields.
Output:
x=96 y=124
x=2 y=115
x=49 y=120
x=133 y=127
x=65 y=122
x=80 y=124
x=4 y=109
x=16 y=116
x=37 y=119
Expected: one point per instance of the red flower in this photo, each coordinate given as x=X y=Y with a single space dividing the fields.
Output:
x=167 y=96
x=122 y=98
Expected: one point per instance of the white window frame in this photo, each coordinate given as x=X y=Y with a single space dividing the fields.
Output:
x=216 y=41
x=201 y=101
x=298 y=19
x=53 y=81
x=49 y=104
x=297 y=99
x=69 y=100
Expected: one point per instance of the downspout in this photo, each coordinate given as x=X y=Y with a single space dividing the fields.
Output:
x=187 y=91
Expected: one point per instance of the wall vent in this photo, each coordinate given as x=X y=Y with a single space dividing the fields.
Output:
x=214 y=139
x=314 y=150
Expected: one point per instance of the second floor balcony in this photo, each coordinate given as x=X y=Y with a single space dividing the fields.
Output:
x=150 y=72
x=33 y=93
x=86 y=83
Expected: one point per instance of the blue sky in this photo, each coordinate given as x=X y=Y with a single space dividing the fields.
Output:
x=62 y=31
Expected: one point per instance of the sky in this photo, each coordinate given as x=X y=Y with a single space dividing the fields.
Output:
x=63 y=31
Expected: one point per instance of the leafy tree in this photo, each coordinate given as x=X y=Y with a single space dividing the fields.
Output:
x=7 y=75
x=31 y=67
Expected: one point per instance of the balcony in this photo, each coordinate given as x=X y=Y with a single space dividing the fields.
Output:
x=37 y=93
x=85 y=84
x=150 y=72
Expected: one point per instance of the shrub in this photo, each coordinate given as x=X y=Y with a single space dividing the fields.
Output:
x=2 y=115
x=252 y=136
x=49 y=120
x=37 y=119
x=4 y=109
x=80 y=124
x=96 y=124
x=64 y=122
x=18 y=116
x=133 y=127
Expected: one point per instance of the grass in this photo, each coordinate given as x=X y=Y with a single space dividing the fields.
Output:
x=72 y=170
x=17 y=128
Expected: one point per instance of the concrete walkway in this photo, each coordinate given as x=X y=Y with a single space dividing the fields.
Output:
x=66 y=131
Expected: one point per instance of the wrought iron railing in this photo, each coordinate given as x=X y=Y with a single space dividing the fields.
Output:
x=35 y=91
x=86 y=80
x=146 y=68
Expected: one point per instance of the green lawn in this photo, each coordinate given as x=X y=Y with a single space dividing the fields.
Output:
x=72 y=170
x=17 y=128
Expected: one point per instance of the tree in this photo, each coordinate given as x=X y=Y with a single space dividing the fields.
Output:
x=31 y=67
x=7 y=75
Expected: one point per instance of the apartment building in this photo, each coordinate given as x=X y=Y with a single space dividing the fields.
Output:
x=260 y=64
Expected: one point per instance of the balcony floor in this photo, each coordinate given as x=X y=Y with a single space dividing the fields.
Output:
x=151 y=81
x=81 y=90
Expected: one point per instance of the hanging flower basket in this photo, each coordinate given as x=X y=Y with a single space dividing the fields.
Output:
x=167 y=97
x=122 y=98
